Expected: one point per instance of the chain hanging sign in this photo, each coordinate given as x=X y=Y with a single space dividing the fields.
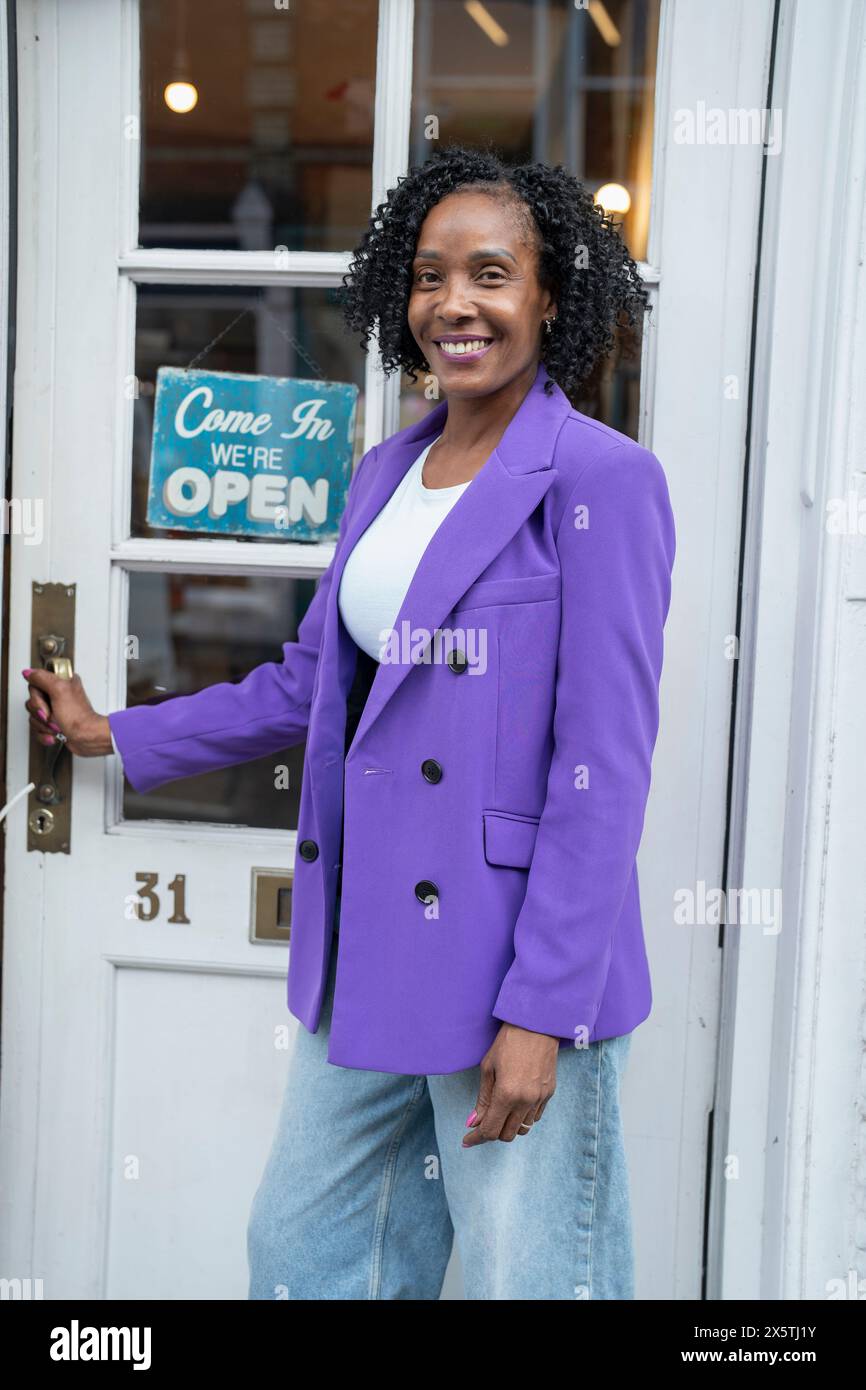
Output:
x=237 y=455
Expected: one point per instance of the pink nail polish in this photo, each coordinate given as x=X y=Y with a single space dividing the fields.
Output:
x=42 y=714
x=27 y=670
x=471 y=1119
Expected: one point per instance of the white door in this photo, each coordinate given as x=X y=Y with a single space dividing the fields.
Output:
x=145 y=1031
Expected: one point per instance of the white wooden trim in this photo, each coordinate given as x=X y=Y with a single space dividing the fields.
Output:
x=130 y=134
x=648 y=370
x=266 y=842
x=212 y=556
x=393 y=95
x=661 y=114
x=24 y=901
x=703 y=238
x=174 y=266
x=257 y=970
x=794 y=1003
x=121 y=490
x=5 y=236
x=729 y=1248
x=390 y=160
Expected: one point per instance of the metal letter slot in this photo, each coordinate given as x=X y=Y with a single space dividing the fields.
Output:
x=271 y=905
x=52 y=643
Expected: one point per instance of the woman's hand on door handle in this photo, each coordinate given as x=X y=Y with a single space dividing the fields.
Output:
x=65 y=709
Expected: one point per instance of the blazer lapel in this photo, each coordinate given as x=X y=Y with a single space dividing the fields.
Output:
x=504 y=492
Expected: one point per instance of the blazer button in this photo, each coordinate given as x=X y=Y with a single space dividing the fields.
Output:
x=431 y=771
x=457 y=660
x=309 y=850
x=425 y=890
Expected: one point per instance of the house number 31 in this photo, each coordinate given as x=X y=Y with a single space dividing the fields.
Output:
x=145 y=902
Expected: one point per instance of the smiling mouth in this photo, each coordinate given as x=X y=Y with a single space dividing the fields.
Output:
x=468 y=349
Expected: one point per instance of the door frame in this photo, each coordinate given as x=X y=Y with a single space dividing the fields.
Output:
x=8 y=114
x=704 y=240
x=703 y=201
x=789 y=1077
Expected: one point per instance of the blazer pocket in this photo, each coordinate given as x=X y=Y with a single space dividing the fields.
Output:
x=509 y=838
x=524 y=588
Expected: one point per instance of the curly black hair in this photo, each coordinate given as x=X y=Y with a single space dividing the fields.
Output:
x=582 y=261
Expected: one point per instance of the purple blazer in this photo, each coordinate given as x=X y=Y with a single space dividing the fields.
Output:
x=495 y=789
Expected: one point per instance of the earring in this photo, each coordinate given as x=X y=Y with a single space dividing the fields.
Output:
x=548 y=325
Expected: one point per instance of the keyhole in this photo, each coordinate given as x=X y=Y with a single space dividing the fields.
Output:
x=42 y=822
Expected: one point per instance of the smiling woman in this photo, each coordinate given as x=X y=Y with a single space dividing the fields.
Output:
x=472 y=272
x=467 y=248
x=492 y=293
x=513 y=804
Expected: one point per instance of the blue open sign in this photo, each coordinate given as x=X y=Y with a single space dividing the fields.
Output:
x=236 y=455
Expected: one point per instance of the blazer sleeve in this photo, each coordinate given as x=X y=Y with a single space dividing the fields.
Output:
x=616 y=543
x=231 y=722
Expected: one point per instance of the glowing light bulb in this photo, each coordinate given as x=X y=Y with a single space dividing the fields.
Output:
x=613 y=198
x=180 y=97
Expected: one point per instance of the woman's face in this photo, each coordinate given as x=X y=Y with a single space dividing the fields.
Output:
x=475 y=282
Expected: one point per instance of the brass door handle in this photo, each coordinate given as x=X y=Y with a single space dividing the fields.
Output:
x=47 y=791
x=60 y=666
x=52 y=648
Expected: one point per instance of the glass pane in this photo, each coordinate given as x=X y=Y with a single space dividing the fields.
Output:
x=612 y=394
x=544 y=80
x=195 y=630
x=275 y=331
x=277 y=149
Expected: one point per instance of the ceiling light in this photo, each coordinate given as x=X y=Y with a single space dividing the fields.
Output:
x=613 y=197
x=604 y=24
x=485 y=21
x=180 y=97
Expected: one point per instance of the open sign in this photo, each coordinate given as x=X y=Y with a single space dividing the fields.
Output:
x=250 y=455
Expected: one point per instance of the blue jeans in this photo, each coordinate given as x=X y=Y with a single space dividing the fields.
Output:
x=367 y=1184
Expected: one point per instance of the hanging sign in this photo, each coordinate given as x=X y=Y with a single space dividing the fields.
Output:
x=236 y=455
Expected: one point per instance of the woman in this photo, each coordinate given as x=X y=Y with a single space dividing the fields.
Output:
x=477 y=681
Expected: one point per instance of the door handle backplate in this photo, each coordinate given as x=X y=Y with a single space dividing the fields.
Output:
x=52 y=647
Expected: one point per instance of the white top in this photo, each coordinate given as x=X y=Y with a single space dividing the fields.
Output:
x=381 y=565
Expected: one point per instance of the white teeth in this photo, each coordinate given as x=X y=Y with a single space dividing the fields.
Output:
x=457 y=349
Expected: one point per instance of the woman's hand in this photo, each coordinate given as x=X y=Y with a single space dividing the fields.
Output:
x=60 y=705
x=518 y=1077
